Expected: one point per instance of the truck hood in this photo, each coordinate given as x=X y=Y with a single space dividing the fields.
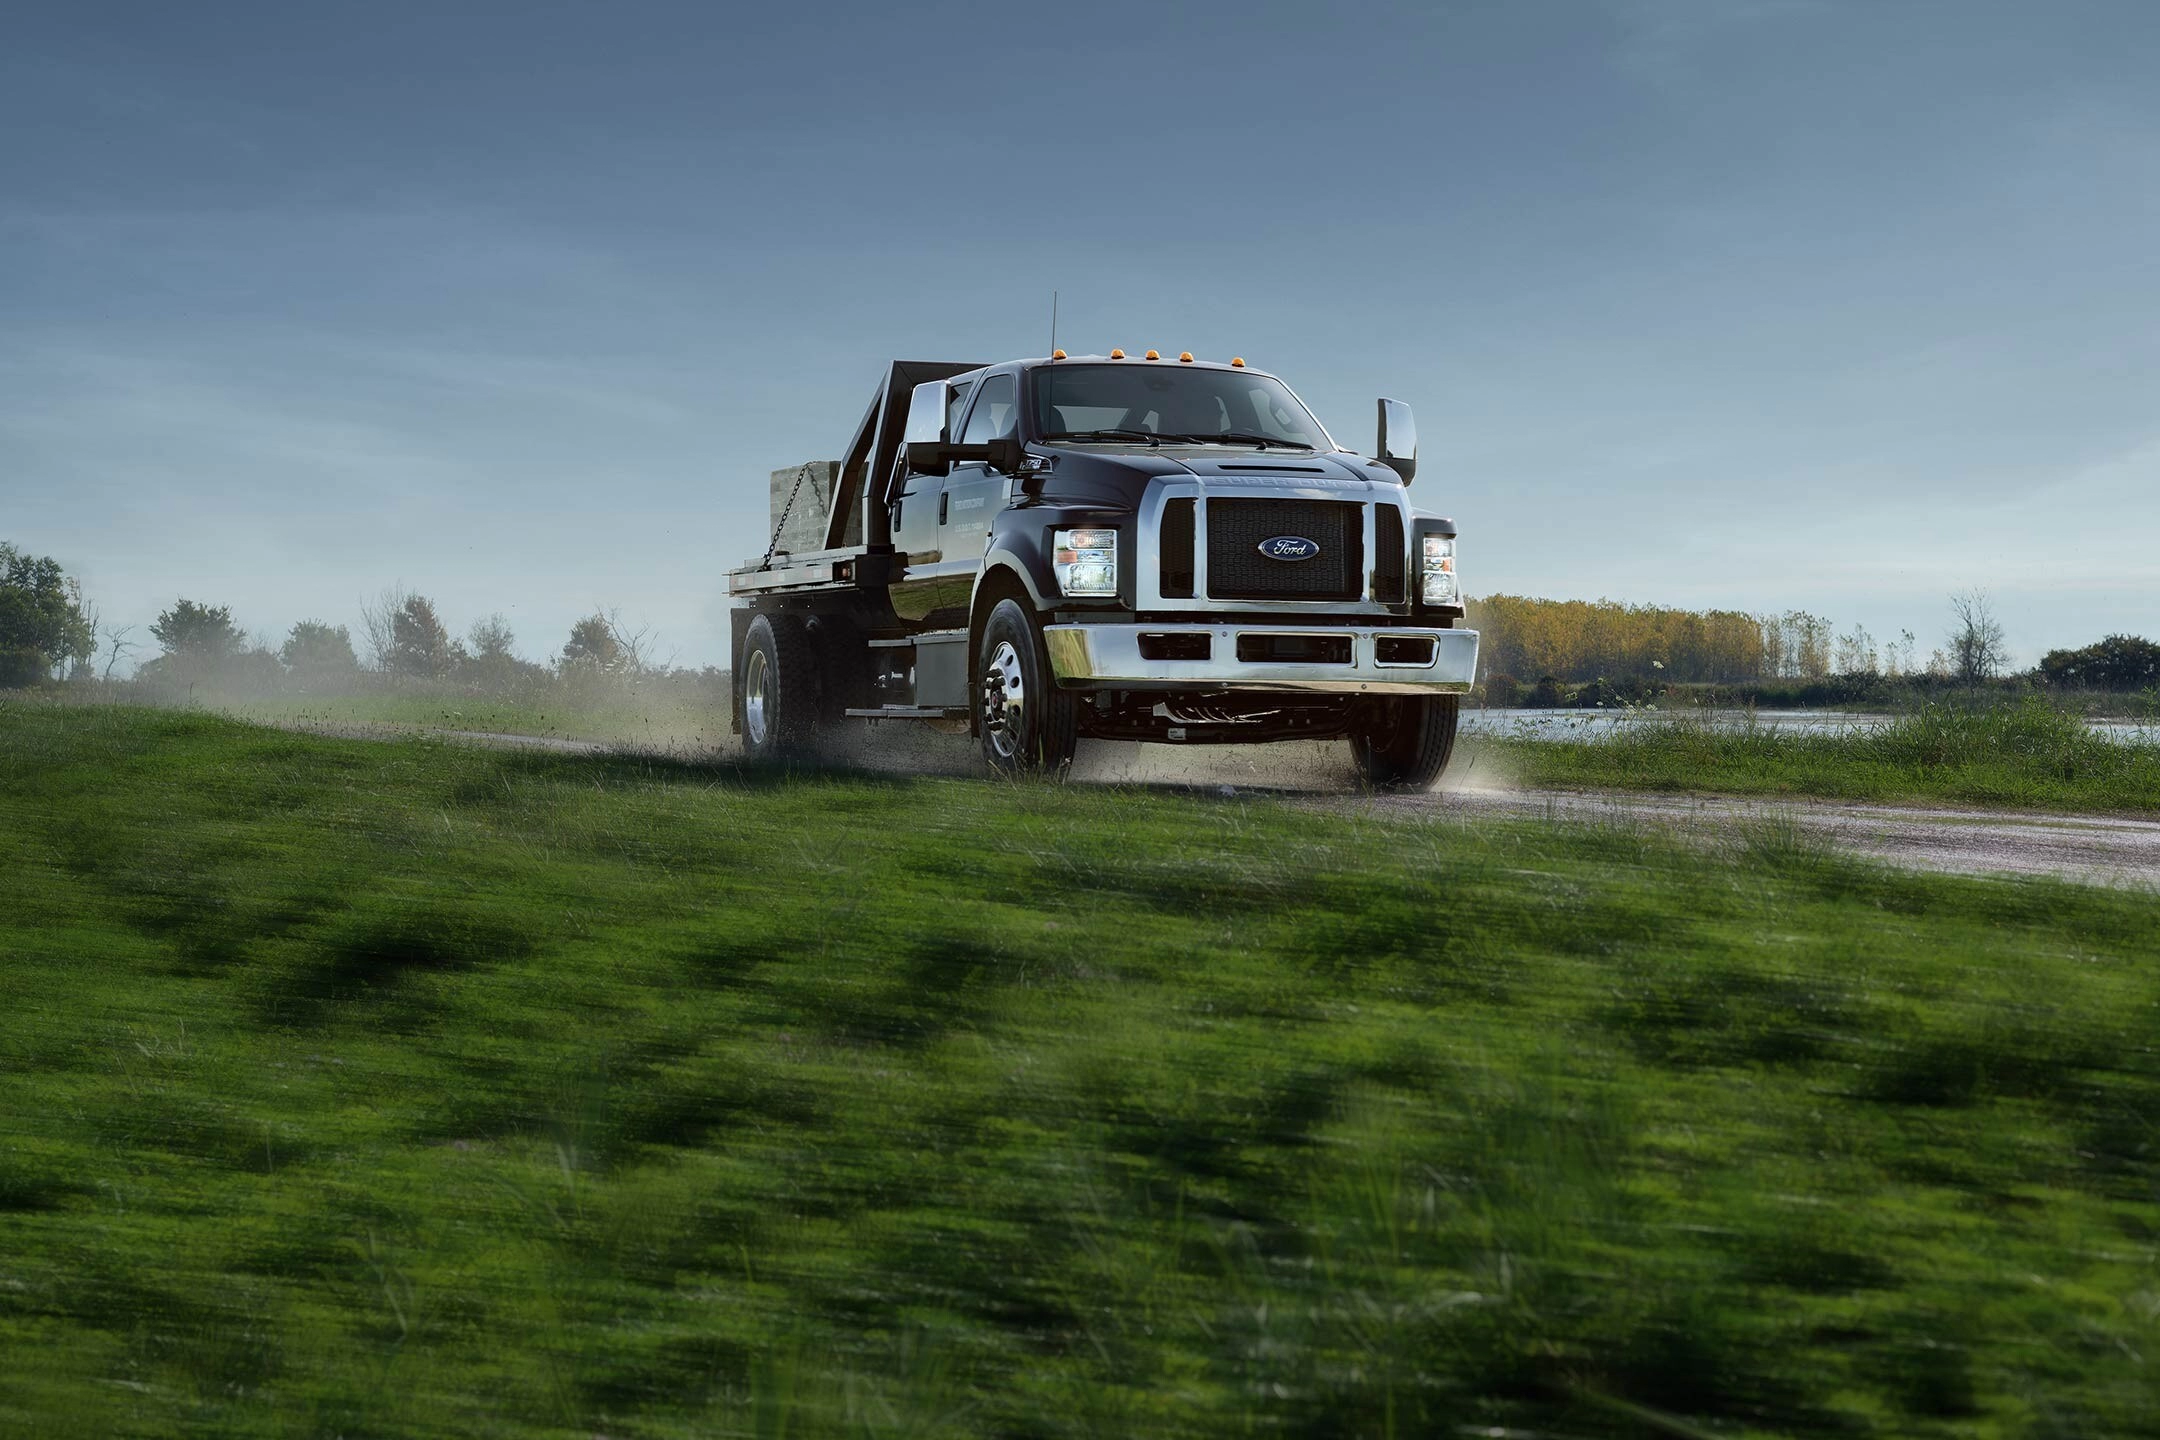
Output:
x=1118 y=476
x=1288 y=465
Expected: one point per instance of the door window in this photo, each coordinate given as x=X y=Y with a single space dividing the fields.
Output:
x=996 y=412
x=956 y=405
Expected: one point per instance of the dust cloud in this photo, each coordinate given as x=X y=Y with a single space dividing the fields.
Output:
x=1289 y=766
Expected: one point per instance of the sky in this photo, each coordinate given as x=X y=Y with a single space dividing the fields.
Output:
x=1756 y=304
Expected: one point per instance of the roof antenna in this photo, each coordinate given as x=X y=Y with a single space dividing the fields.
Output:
x=1053 y=322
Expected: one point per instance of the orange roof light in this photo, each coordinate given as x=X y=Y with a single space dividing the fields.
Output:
x=1117 y=354
x=1057 y=354
x=1237 y=362
x=1184 y=357
x=1153 y=356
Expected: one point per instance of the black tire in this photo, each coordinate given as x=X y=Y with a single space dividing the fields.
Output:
x=776 y=701
x=1029 y=726
x=1404 y=743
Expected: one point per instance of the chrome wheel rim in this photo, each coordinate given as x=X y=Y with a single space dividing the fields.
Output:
x=757 y=687
x=1004 y=701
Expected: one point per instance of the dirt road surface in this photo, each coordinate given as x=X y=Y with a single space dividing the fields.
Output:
x=2099 y=848
x=2095 y=848
x=1973 y=842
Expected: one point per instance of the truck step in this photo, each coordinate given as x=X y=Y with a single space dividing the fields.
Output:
x=928 y=637
x=912 y=712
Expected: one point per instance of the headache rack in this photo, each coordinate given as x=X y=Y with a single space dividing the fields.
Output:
x=853 y=495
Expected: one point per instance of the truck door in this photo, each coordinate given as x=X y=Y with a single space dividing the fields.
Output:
x=916 y=524
x=974 y=493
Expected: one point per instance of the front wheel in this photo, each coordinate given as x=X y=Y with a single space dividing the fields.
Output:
x=1028 y=725
x=1404 y=743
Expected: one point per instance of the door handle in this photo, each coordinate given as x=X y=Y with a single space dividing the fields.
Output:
x=943 y=496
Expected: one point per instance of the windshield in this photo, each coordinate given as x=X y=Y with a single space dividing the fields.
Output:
x=1141 y=402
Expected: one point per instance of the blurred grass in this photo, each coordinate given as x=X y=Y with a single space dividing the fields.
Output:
x=408 y=1089
x=618 y=715
x=672 y=711
x=2030 y=755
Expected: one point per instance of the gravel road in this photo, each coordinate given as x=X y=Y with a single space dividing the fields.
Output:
x=2097 y=848
x=1975 y=842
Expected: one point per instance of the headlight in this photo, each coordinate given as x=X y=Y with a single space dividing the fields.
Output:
x=1436 y=570
x=1085 y=561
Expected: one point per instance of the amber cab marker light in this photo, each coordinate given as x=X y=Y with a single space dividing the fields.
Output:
x=1117 y=354
x=1237 y=362
x=1184 y=357
x=1057 y=354
x=1153 y=356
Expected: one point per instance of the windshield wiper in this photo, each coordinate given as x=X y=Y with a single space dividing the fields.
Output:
x=1146 y=435
x=1240 y=437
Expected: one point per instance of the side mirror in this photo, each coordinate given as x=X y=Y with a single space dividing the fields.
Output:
x=925 y=435
x=1397 y=446
x=929 y=457
x=935 y=457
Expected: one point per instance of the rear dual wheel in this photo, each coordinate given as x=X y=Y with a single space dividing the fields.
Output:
x=778 y=706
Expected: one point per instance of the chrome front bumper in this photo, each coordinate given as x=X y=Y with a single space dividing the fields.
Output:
x=1103 y=657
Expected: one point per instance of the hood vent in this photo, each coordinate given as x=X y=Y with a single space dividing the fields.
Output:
x=1277 y=469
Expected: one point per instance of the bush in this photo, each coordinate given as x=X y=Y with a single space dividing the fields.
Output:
x=21 y=666
x=1603 y=694
x=201 y=633
x=2032 y=733
x=42 y=622
x=1503 y=690
x=1830 y=691
x=252 y=672
x=419 y=644
x=316 y=651
x=1546 y=695
x=594 y=647
x=2120 y=662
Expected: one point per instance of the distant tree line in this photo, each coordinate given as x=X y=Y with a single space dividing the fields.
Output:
x=49 y=634
x=1542 y=652
x=1532 y=649
x=1576 y=641
x=405 y=640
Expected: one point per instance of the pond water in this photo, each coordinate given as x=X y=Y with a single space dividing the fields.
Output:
x=1524 y=724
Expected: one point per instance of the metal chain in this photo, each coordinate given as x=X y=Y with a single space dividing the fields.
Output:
x=781 y=524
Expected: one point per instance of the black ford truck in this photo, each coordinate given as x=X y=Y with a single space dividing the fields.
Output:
x=1111 y=547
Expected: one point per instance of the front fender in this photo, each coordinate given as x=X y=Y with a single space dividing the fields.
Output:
x=1017 y=557
x=1020 y=547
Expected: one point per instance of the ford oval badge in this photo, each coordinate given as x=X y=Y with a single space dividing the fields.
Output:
x=1289 y=547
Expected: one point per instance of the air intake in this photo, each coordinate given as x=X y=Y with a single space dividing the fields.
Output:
x=1176 y=582
x=1388 y=555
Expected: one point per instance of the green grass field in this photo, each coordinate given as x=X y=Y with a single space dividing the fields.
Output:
x=385 y=1089
x=2028 y=756
x=614 y=718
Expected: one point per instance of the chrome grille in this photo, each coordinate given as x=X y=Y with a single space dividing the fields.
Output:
x=1238 y=571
